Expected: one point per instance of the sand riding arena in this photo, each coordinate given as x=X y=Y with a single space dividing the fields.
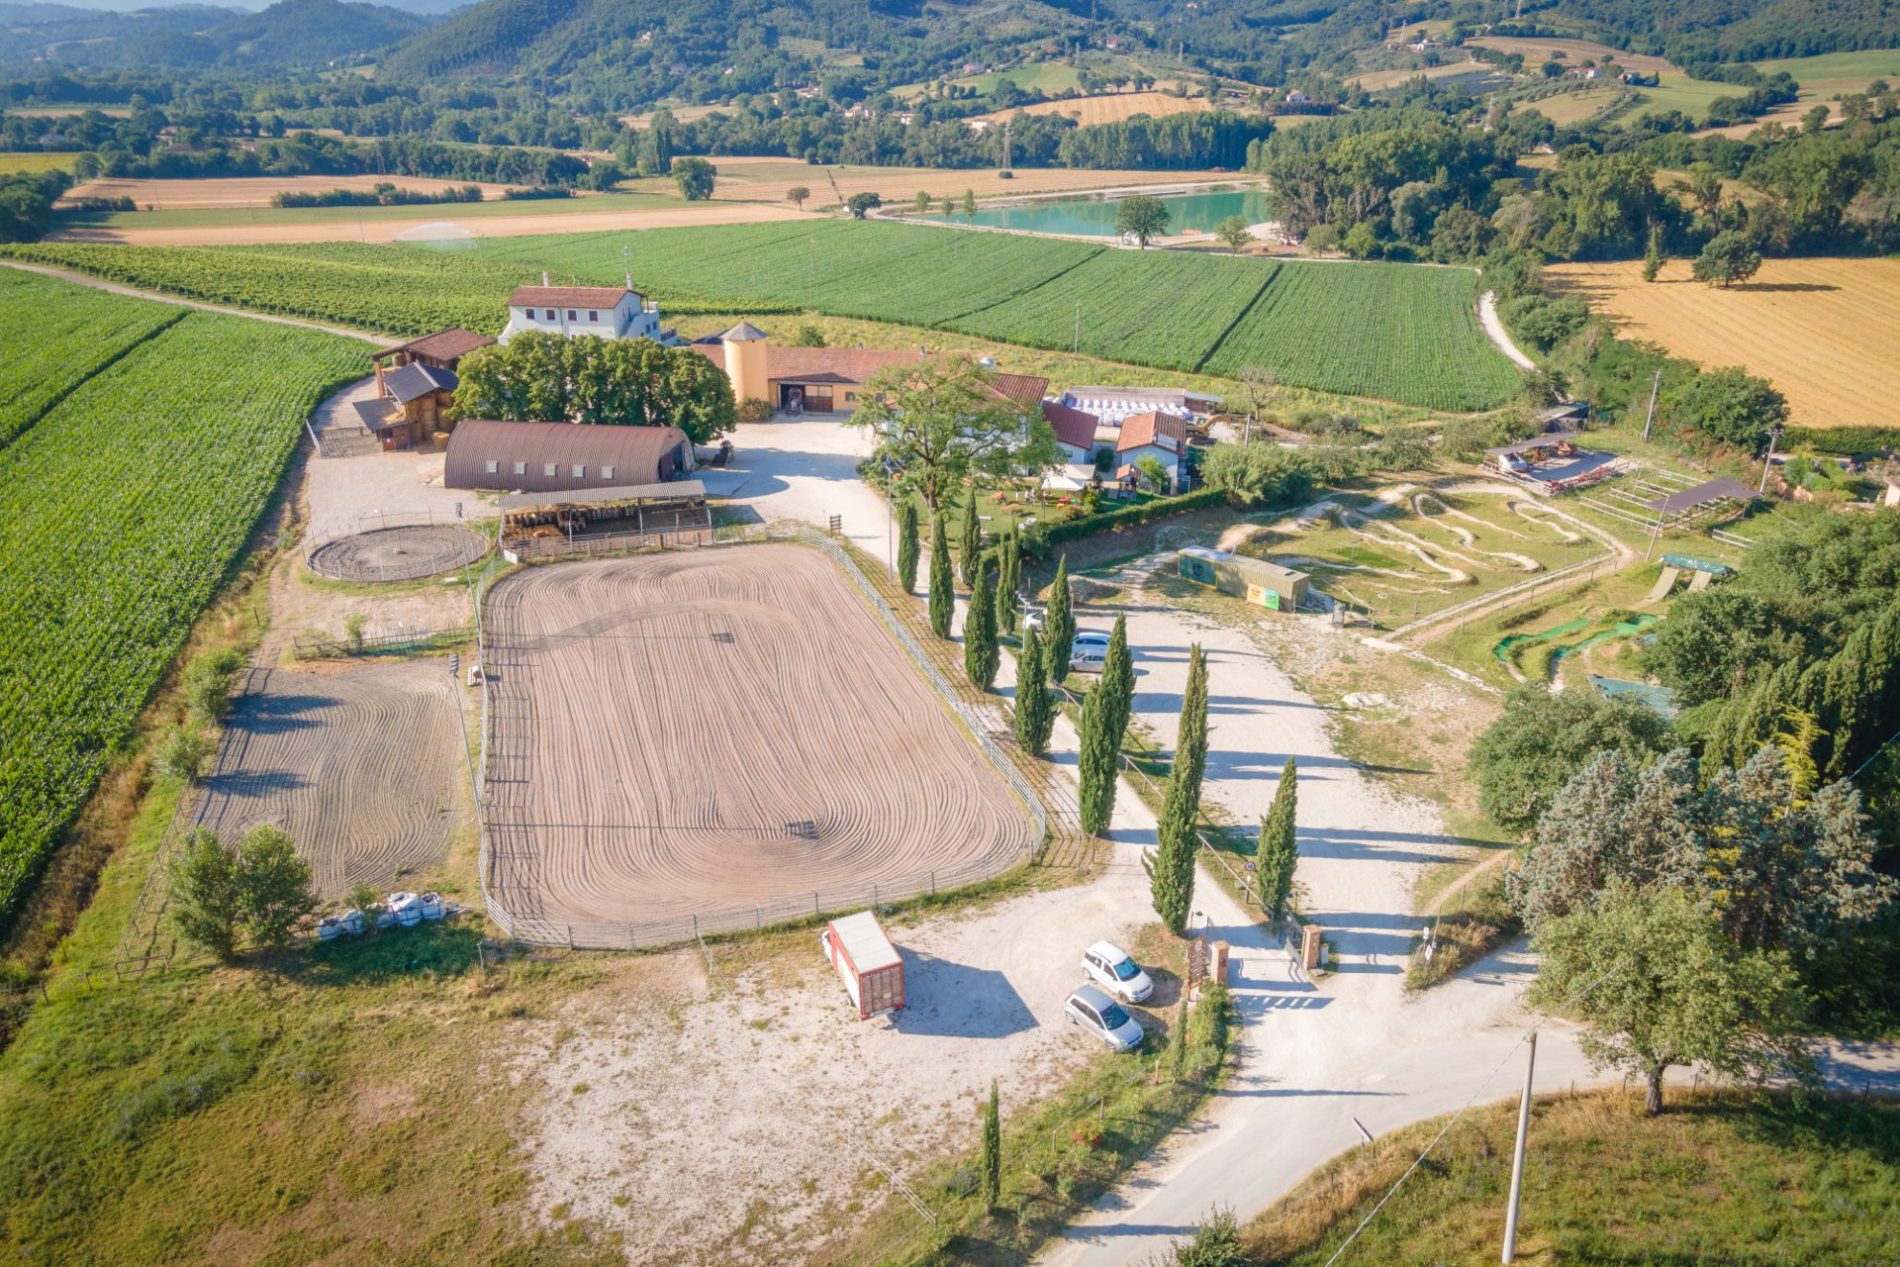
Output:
x=709 y=740
x=398 y=554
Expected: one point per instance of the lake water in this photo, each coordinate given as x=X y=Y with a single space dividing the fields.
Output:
x=1095 y=217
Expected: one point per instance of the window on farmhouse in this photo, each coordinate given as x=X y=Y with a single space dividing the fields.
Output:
x=570 y=314
x=594 y=316
x=550 y=314
x=491 y=466
x=549 y=470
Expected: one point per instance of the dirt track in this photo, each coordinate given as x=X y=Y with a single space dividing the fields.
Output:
x=681 y=733
x=358 y=766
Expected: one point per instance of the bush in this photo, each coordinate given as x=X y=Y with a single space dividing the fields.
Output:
x=182 y=755
x=1543 y=322
x=752 y=409
x=1251 y=474
x=1850 y=441
x=1729 y=405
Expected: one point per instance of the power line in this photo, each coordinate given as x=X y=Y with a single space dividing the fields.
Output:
x=1456 y=1117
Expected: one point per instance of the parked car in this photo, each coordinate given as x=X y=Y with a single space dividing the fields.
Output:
x=1089 y=652
x=1111 y=967
x=1103 y=1017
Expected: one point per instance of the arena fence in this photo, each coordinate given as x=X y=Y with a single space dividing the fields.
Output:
x=793 y=907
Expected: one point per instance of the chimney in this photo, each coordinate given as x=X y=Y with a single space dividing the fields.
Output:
x=544 y=278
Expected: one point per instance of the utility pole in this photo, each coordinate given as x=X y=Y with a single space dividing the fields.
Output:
x=1517 y=1155
x=1773 y=435
x=1654 y=387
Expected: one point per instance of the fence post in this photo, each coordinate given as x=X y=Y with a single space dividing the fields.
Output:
x=695 y=923
x=933 y=884
x=758 y=918
x=570 y=936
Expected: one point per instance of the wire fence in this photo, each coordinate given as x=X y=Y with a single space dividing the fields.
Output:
x=647 y=934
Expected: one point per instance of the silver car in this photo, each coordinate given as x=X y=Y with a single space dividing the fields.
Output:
x=1111 y=967
x=1103 y=1017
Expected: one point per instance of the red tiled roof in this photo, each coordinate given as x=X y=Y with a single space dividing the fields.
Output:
x=1025 y=389
x=443 y=345
x=1074 y=427
x=567 y=296
x=1140 y=430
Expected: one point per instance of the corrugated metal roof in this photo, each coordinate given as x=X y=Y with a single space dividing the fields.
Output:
x=672 y=490
x=1719 y=490
x=634 y=454
x=864 y=940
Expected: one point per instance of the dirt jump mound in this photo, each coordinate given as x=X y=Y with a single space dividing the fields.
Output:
x=398 y=554
x=680 y=736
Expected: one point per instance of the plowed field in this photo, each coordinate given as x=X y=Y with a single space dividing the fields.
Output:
x=1824 y=331
x=675 y=734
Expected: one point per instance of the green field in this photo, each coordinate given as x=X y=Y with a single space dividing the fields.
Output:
x=122 y=508
x=34 y=161
x=454 y=212
x=72 y=339
x=1392 y=332
x=1826 y=75
x=1726 y=1178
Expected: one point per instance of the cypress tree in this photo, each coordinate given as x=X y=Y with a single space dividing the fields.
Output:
x=1008 y=583
x=993 y=1149
x=943 y=598
x=1035 y=716
x=1171 y=867
x=1279 y=851
x=1058 y=624
x=907 y=545
x=1096 y=767
x=970 y=538
x=1118 y=678
x=979 y=631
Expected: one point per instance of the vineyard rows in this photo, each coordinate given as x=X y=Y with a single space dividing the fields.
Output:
x=72 y=333
x=1390 y=331
x=121 y=513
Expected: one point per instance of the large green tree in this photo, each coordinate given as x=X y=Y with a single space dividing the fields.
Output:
x=969 y=538
x=942 y=586
x=1730 y=405
x=1096 y=764
x=275 y=884
x=1658 y=983
x=980 y=652
x=1278 y=853
x=1118 y=679
x=943 y=422
x=1542 y=739
x=206 y=898
x=695 y=177
x=1141 y=217
x=1009 y=581
x=1171 y=866
x=541 y=377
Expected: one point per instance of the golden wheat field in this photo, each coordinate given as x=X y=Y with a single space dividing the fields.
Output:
x=1110 y=107
x=1826 y=332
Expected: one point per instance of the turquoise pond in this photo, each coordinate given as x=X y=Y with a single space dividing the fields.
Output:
x=1095 y=217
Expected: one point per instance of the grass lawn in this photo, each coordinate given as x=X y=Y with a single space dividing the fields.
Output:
x=1831 y=74
x=1679 y=92
x=1718 y=1178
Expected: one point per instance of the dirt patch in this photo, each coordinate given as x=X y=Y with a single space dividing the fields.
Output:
x=357 y=765
x=683 y=734
x=398 y=554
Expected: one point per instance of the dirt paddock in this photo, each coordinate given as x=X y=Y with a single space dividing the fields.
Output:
x=358 y=765
x=683 y=733
x=398 y=554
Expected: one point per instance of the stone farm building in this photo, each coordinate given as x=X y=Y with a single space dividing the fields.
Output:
x=414 y=383
x=607 y=312
x=822 y=380
x=545 y=457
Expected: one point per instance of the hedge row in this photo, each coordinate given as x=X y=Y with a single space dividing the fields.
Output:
x=1041 y=536
x=1846 y=441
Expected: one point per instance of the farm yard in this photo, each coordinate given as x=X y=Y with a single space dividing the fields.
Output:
x=361 y=766
x=1822 y=330
x=123 y=506
x=771 y=678
x=1395 y=332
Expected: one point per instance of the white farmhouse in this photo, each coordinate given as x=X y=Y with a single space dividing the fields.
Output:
x=606 y=312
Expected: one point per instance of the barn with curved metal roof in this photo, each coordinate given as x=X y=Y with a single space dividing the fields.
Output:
x=544 y=457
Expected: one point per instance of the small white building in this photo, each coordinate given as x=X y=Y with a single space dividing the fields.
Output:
x=606 y=312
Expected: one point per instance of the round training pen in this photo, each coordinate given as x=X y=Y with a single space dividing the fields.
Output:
x=398 y=554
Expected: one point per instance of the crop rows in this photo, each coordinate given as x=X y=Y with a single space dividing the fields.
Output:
x=1166 y=309
x=1394 y=331
x=121 y=512
x=71 y=332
